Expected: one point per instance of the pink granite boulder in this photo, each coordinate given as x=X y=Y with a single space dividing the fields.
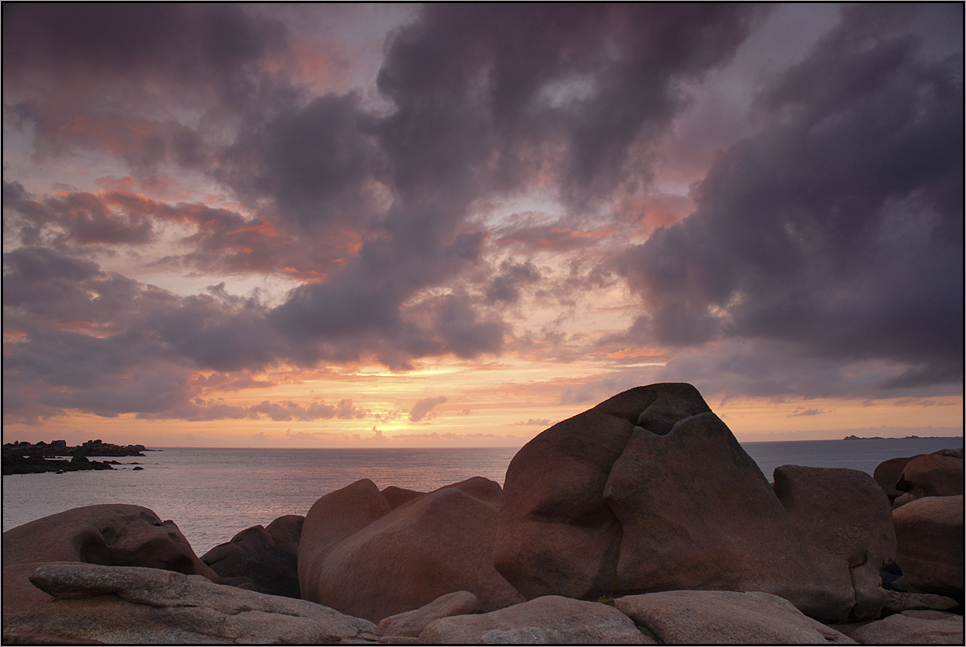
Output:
x=650 y=491
x=361 y=557
x=109 y=534
x=929 y=537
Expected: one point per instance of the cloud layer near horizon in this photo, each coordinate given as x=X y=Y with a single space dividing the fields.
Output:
x=504 y=159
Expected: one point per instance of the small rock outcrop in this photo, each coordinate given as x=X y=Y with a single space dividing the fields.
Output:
x=253 y=561
x=550 y=620
x=725 y=617
x=929 y=535
x=108 y=534
x=650 y=491
x=363 y=557
x=141 y=605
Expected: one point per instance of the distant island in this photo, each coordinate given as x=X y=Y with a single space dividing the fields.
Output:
x=854 y=437
x=27 y=458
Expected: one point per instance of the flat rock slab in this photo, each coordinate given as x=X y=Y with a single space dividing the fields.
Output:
x=116 y=604
x=913 y=628
x=726 y=618
x=550 y=620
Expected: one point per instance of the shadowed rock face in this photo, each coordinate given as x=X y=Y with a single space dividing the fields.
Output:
x=253 y=561
x=650 y=491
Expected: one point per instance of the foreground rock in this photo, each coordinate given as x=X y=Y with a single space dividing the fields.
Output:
x=929 y=533
x=142 y=605
x=412 y=623
x=253 y=561
x=109 y=534
x=913 y=628
x=550 y=620
x=650 y=491
x=725 y=617
x=363 y=557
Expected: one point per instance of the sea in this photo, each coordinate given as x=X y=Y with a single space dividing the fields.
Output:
x=212 y=494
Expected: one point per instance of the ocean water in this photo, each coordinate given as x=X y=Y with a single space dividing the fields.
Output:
x=211 y=494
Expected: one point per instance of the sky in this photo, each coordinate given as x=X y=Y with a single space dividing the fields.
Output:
x=320 y=225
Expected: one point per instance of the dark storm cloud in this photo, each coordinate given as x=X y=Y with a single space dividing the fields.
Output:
x=506 y=285
x=838 y=228
x=469 y=85
x=186 y=43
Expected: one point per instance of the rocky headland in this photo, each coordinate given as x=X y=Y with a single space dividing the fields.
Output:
x=35 y=458
x=640 y=521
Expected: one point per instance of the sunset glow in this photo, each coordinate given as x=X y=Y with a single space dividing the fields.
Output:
x=455 y=225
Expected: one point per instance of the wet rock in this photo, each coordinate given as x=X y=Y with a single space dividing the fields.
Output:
x=725 y=617
x=138 y=605
x=550 y=620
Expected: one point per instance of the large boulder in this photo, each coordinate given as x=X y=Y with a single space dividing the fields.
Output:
x=725 y=617
x=845 y=523
x=109 y=534
x=650 y=491
x=929 y=536
x=252 y=560
x=130 y=605
x=913 y=628
x=359 y=555
x=550 y=620
x=936 y=474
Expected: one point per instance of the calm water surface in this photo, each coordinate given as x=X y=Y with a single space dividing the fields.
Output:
x=214 y=493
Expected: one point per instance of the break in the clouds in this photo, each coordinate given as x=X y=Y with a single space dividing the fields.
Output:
x=488 y=181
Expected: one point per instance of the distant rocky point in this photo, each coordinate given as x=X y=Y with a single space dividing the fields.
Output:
x=26 y=458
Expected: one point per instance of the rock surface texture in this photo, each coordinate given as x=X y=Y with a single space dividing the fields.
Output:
x=412 y=623
x=550 y=620
x=363 y=557
x=109 y=534
x=141 y=605
x=650 y=491
x=253 y=561
x=929 y=533
x=725 y=617
x=913 y=628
